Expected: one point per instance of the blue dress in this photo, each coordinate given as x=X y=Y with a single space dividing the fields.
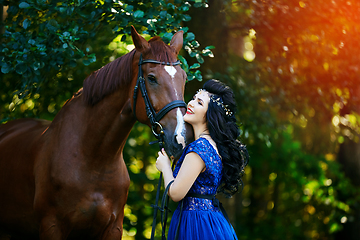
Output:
x=200 y=218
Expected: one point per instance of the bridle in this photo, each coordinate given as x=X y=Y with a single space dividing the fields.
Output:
x=154 y=121
x=150 y=111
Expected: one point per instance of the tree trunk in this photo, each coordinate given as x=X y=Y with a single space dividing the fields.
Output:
x=349 y=158
x=210 y=28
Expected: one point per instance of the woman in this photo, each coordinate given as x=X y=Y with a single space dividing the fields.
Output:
x=213 y=163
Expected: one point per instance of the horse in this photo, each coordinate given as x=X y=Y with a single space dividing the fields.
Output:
x=67 y=179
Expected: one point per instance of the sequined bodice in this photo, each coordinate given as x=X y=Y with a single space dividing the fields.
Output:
x=208 y=181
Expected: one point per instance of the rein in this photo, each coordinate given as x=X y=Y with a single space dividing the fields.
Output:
x=154 y=121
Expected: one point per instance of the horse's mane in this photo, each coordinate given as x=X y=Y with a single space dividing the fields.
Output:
x=108 y=78
x=117 y=73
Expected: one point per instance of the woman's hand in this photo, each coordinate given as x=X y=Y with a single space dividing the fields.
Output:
x=163 y=161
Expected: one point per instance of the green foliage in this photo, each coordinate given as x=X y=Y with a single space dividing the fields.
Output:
x=292 y=194
x=43 y=40
x=301 y=81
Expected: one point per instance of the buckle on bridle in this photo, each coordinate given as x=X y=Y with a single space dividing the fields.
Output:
x=157 y=124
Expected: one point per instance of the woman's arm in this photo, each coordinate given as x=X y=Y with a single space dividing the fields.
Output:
x=190 y=169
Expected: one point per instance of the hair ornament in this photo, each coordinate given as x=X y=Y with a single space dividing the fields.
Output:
x=219 y=102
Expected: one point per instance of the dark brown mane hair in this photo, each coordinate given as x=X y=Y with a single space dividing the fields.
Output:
x=110 y=77
x=107 y=79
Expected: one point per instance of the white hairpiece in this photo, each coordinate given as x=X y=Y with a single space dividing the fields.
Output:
x=217 y=100
x=220 y=103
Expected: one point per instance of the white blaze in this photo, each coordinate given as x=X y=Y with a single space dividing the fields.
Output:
x=171 y=70
x=180 y=128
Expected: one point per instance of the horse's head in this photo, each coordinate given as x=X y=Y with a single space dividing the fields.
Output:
x=163 y=83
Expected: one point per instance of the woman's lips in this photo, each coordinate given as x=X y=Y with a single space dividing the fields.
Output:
x=189 y=111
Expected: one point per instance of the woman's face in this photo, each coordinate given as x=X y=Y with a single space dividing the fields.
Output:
x=197 y=108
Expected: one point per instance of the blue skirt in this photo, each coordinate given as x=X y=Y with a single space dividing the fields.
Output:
x=195 y=225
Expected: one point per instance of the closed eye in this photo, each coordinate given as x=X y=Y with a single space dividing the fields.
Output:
x=199 y=100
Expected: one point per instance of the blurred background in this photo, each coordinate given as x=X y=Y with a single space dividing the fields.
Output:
x=293 y=65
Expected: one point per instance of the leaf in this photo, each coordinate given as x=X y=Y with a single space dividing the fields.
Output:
x=186 y=18
x=72 y=63
x=190 y=76
x=189 y=37
x=163 y=14
x=24 y=5
x=207 y=53
x=62 y=9
x=195 y=65
x=167 y=37
x=86 y=62
x=199 y=58
x=184 y=8
x=209 y=47
x=139 y=14
x=36 y=66
x=5 y=68
x=129 y=8
x=196 y=44
x=66 y=34
x=171 y=6
x=92 y=57
x=198 y=75
x=184 y=63
x=26 y=23
x=52 y=25
x=185 y=29
x=21 y=68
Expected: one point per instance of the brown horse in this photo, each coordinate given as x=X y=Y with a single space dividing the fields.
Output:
x=67 y=179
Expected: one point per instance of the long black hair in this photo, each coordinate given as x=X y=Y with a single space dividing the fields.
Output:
x=223 y=129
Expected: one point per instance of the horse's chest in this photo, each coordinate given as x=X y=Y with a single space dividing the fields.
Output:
x=98 y=207
x=94 y=193
x=84 y=200
x=95 y=209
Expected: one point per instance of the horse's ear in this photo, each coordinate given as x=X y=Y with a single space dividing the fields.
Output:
x=177 y=41
x=140 y=43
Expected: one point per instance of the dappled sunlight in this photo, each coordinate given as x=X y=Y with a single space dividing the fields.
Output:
x=293 y=65
x=249 y=54
x=307 y=50
x=120 y=45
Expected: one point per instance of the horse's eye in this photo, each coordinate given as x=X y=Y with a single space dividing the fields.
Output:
x=152 y=78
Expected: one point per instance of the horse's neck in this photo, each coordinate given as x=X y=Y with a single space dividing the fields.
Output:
x=99 y=131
